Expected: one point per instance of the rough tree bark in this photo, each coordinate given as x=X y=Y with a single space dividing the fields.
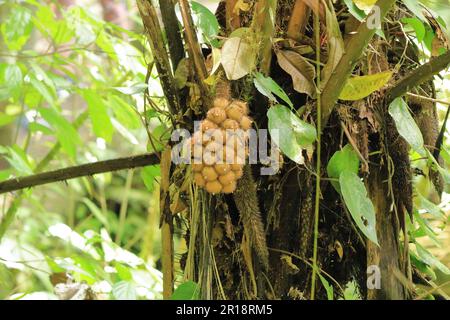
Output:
x=219 y=255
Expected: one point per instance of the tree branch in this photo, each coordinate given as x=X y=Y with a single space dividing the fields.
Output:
x=353 y=51
x=159 y=53
x=78 y=171
x=174 y=41
x=418 y=76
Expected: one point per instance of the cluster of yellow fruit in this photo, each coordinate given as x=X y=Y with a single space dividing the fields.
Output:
x=219 y=147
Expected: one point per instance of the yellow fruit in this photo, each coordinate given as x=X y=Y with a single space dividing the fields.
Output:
x=222 y=168
x=238 y=173
x=207 y=125
x=198 y=179
x=242 y=105
x=216 y=115
x=197 y=167
x=246 y=123
x=230 y=124
x=236 y=166
x=209 y=174
x=229 y=188
x=234 y=112
x=221 y=103
x=213 y=187
x=227 y=178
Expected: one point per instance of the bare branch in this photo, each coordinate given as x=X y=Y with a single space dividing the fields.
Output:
x=418 y=76
x=78 y=171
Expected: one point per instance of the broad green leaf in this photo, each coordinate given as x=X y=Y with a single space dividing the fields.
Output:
x=149 y=174
x=357 y=88
x=342 y=160
x=290 y=133
x=17 y=27
x=186 y=291
x=5 y=174
x=124 y=290
x=98 y=113
x=430 y=207
x=431 y=260
x=426 y=229
x=123 y=271
x=354 y=10
x=6 y=119
x=417 y=26
x=238 y=58
x=416 y=8
x=13 y=76
x=124 y=112
x=406 y=125
x=268 y=87
x=65 y=132
x=206 y=22
x=37 y=127
x=132 y=89
x=360 y=206
x=42 y=89
x=301 y=71
x=423 y=267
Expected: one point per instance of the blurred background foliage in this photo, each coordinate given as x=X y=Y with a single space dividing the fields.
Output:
x=72 y=80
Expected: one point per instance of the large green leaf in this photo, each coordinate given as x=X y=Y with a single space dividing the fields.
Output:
x=361 y=208
x=290 y=133
x=17 y=27
x=431 y=260
x=186 y=291
x=268 y=87
x=206 y=22
x=406 y=125
x=65 y=132
x=357 y=88
x=98 y=113
x=342 y=160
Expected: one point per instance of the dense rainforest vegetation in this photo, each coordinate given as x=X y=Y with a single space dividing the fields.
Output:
x=115 y=117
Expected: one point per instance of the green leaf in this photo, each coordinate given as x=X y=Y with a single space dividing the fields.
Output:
x=65 y=132
x=17 y=27
x=13 y=76
x=361 y=208
x=98 y=113
x=186 y=291
x=354 y=10
x=268 y=87
x=417 y=26
x=206 y=22
x=431 y=260
x=406 y=125
x=124 y=290
x=18 y=159
x=238 y=58
x=342 y=160
x=148 y=175
x=357 y=88
x=124 y=112
x=123 y=271
x=328 y=287
x=42 y=89
x=430 y=207
x=365 y=5
x=290 y=133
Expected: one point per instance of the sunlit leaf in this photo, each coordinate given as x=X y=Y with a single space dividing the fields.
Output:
x=17 y=27
x=431 y=260
x=206 y=22
x=357 y=88
x=98 y=113
x=124 y=290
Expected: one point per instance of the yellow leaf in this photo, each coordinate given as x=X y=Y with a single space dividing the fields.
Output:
x=358 y=88
x=365 y=5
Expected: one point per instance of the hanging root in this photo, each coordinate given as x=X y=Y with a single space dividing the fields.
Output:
x=247 y=204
